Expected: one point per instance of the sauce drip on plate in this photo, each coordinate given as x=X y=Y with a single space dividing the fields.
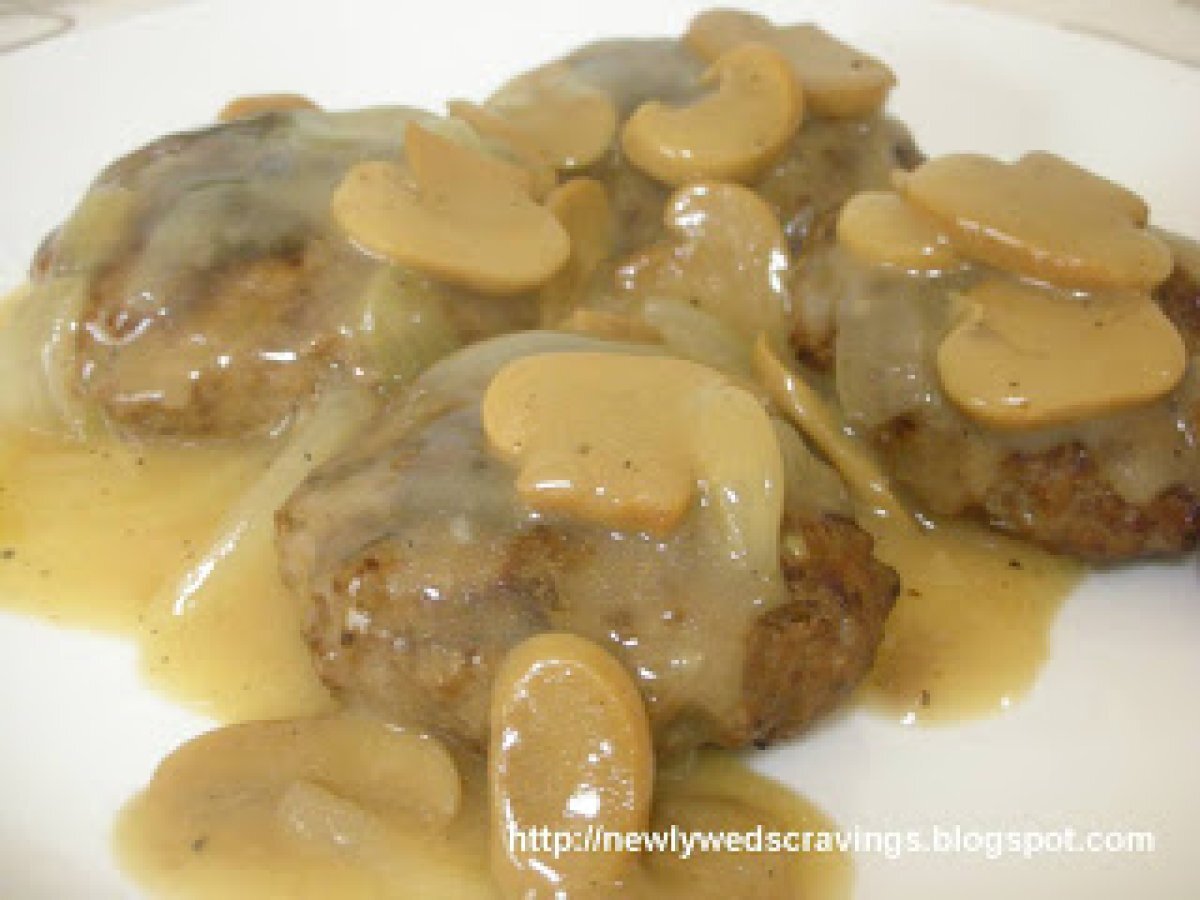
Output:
x=971 y=628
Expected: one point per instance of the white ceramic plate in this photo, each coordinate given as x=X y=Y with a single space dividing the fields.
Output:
x=1109 y=737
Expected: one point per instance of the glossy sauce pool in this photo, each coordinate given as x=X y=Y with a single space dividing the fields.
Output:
x=101 y=535
x=971 y=627
x=173 y=545
x=254 y=838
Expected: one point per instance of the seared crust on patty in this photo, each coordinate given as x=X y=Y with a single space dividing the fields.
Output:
x=221 y=294
x=806 y=656
x=1058 y=498
x=411 y=657
x=212 y=373
x=421 y=568
x=423 y=661
x=1179 y=297
x=217 y=296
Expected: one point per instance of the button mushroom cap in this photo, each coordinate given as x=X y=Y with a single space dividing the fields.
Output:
x=1026 y=356
x=571 y=121
x=454 y=214
x=599 y=435
x=258 y=104
x=570 y=750
x=581 y=205
x=880 y=228
x=629 y=441
x=838 y=81
x=1041 y=166
x=509 y=142
x=716 y=31
x=732 y=133
x=1042 y=218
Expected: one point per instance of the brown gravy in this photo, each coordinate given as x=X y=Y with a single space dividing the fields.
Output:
x=215 y=823
x=971 y=627
x=172 y=544
x=967 y=636
x=89 y=531
x=101 y=536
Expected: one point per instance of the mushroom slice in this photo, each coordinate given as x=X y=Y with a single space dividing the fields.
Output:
x=1041 y=166
x=1040 y=217
x=838 y=81
x=717 y=31
x=582 y=208
x=880 y=228
x=1025 y=356
x=571 y=121
x=508 y=142
x=454 y=214
x=629 y=441
x=599 y=435
x=732 y=133
x=570 y=752
x=260 y=104
x=729 y=258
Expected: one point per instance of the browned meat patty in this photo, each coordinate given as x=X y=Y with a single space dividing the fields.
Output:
x=240 y=346
x=827 y=162
x=217 y=291
x=212 y=279
x=1060 y=495
x=808 y=188
x=422 y=573
x=1179 y=297
x=1057 y=498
